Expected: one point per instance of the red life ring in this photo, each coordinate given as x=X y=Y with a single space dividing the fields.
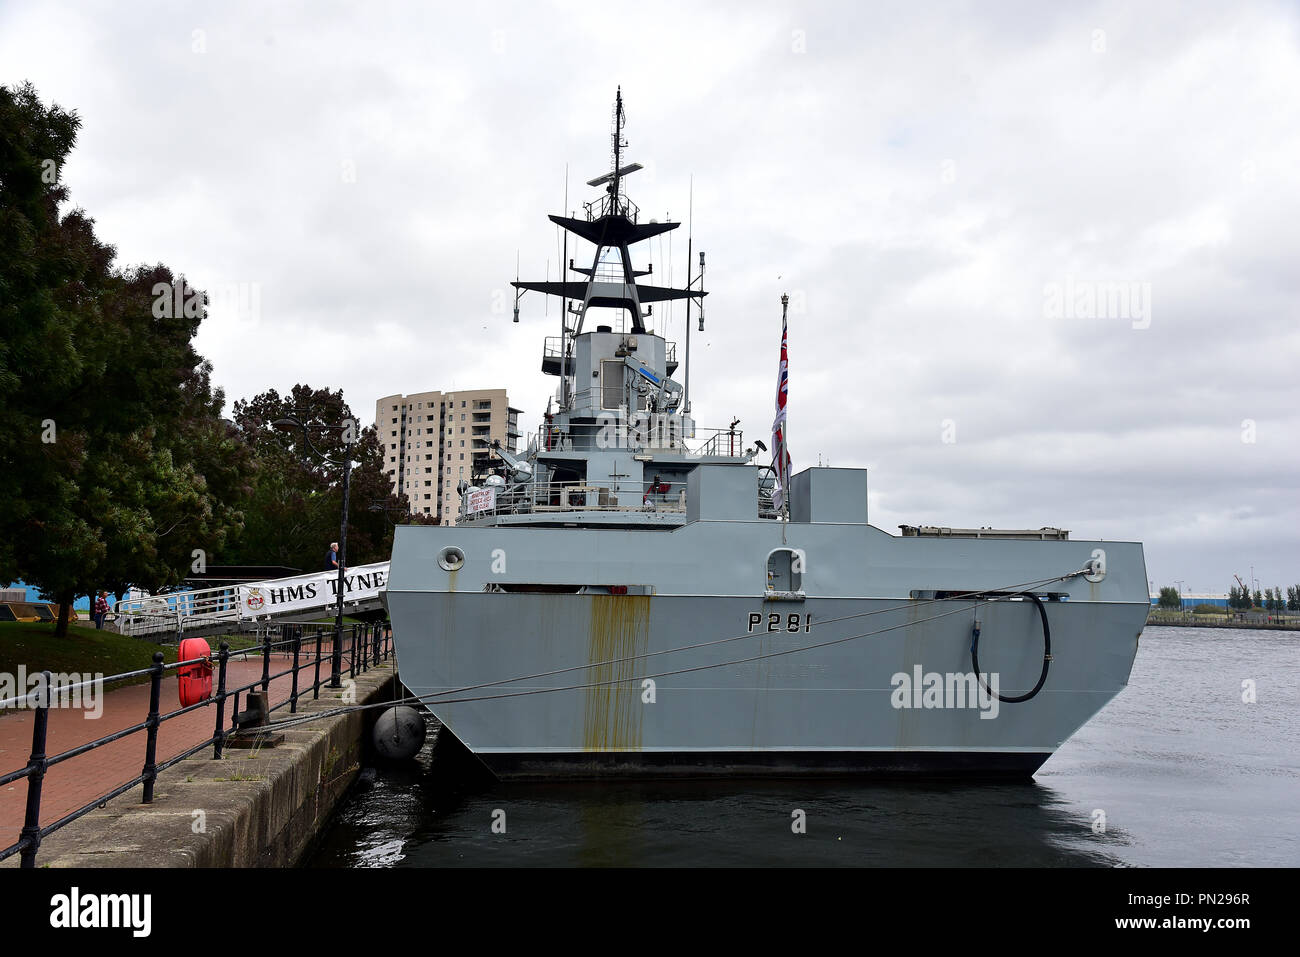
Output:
x=194 y=681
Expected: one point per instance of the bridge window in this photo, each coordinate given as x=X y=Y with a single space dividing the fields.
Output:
x=785 y=570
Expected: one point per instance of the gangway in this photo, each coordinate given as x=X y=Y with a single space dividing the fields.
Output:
x=246 y=607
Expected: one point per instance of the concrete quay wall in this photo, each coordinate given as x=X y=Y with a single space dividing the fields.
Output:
x=252 y=808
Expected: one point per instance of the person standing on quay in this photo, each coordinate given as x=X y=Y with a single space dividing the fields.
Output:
x=332 y=559
x=100 y=609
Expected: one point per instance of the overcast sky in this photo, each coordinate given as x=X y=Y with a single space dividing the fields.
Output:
x=1042 y=257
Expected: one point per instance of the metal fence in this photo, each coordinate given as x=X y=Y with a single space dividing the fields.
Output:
x=366 y=645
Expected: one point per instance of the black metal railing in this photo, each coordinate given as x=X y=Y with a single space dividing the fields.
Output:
x=370 y=644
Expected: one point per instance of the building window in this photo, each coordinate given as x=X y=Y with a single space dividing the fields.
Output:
x=462 y=405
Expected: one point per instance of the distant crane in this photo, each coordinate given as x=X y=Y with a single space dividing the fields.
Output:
x=1245 y=592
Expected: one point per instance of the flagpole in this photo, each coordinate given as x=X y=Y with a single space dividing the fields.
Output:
x=785 y=431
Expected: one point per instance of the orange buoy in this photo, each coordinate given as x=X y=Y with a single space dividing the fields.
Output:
x=194 y=681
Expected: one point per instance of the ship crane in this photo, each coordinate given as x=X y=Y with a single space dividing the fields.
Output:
x=520 y=470
x=666 y=387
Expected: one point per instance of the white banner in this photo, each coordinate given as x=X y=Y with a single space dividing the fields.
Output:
x=312 y=592
x=482 y=499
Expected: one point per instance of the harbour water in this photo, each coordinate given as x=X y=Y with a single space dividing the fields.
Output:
x=1178 y=771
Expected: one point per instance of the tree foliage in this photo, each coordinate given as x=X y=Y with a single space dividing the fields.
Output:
x=115 y=467
x=296 y=508
x=1169 y=598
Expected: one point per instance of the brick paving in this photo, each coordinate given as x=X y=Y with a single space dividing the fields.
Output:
x=73 y=783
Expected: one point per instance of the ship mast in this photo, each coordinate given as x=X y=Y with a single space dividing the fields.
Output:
x=611 y=223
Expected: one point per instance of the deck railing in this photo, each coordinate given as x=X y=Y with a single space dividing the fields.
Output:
x=706 y=442
x=583 y=497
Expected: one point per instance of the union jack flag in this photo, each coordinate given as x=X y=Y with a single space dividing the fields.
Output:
x=780 y=455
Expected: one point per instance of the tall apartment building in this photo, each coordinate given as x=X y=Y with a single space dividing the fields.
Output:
x=433 y=439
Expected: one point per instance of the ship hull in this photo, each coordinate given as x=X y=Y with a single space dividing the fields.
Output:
x=966 y=765
x=819 y=686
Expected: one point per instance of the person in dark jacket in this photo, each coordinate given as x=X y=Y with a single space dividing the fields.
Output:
x=332 y=559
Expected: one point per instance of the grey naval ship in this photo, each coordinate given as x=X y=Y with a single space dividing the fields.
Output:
x=633 y=595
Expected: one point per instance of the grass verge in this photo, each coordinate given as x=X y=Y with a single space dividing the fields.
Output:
x=85 y=649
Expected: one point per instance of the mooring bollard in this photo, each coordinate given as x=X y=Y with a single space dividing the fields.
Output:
x=222 y=657
x=31 y=832
x=151 y=725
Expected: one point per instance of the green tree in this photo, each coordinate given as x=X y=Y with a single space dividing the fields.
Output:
x=297 y=498
x=1293 y=598
x=1234 y=597
x=114 y=467
x=1169 y=598
x=1258 y=600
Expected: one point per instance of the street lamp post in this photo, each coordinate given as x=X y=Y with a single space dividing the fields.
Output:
x=349 y=432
